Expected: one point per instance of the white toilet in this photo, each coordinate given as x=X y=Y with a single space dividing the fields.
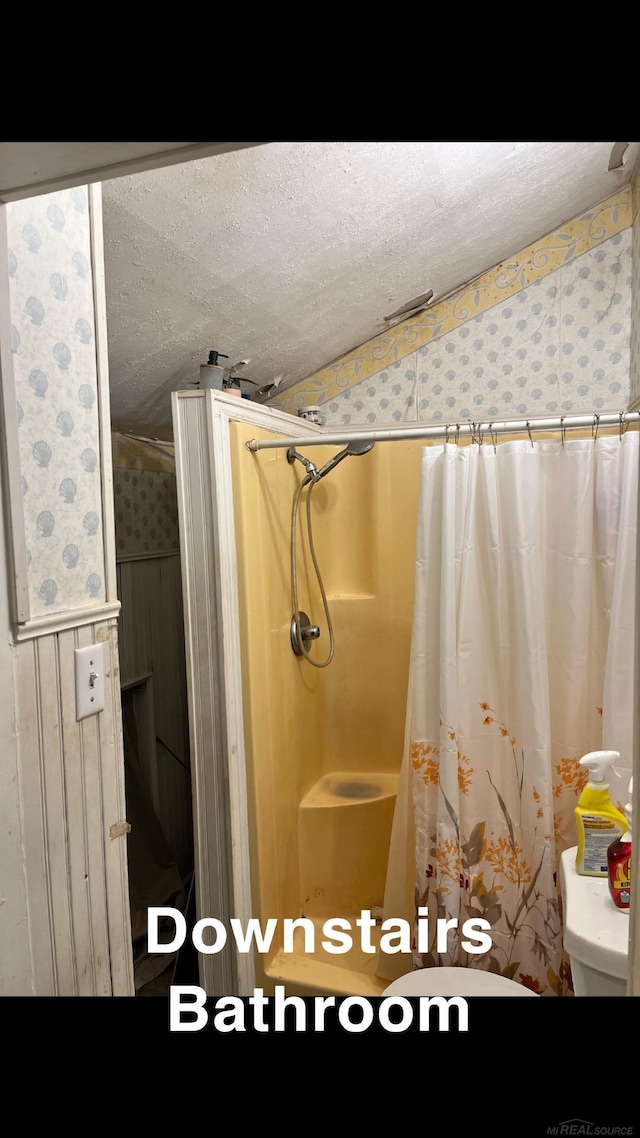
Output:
x=455 y=982
x=596 y=932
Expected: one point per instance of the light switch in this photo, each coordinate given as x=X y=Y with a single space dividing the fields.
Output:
x=89 y=681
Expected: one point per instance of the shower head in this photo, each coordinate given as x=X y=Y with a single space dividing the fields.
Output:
x=356 y=446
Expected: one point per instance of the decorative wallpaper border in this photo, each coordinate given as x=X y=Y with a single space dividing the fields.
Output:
x=559 y=248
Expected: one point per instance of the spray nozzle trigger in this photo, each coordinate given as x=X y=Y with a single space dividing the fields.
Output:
x=598 y=763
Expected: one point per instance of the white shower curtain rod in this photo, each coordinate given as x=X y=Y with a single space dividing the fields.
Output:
x=451 y=432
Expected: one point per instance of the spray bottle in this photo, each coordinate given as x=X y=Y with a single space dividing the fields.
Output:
x=619 y=860
x=599 y=822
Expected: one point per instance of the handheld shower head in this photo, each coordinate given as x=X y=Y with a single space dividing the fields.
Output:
x=356 y=446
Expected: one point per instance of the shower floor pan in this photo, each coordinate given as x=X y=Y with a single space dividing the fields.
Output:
x=344 y=830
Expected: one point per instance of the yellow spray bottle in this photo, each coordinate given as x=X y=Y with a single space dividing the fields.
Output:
x=598 y=821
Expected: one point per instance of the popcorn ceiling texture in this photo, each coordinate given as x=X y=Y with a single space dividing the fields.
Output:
x=289 y=254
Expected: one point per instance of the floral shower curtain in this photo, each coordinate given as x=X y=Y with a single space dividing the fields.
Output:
x=521 y=662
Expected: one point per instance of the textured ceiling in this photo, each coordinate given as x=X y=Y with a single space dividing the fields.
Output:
x=291 y=254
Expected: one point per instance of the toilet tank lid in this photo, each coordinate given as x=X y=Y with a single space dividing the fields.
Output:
x=595 y=931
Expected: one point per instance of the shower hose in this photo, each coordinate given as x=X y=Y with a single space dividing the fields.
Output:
x=294 y=578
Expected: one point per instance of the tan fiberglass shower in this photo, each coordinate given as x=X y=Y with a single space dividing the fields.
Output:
x=313 y=756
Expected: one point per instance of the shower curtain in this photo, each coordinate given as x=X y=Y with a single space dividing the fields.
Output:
x=521 y=661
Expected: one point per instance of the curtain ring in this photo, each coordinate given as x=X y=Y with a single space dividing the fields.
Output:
x=494 y=437
x=529 y=432
x=594 y=429
x=625 y=428
x=563 y=429
x=446 y=433
x=457 y=433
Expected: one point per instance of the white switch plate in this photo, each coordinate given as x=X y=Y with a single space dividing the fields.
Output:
x=89 y=681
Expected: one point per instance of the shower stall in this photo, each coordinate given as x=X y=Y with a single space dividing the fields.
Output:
x=296 y=768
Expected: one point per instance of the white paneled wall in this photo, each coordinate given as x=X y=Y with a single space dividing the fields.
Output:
x=67 y=891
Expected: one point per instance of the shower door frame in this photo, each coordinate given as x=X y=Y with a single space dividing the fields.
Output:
x=201 y=421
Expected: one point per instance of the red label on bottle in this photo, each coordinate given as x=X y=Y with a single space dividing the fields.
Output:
x=619 y=864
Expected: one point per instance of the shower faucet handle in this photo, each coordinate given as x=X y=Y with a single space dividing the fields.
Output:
x=308 y=631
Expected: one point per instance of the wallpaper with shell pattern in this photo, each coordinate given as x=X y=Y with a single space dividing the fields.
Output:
x=52 y=318
x=559 y=346
x=635 y=298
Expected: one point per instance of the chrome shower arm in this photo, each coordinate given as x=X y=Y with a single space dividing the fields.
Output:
x=313 y=474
